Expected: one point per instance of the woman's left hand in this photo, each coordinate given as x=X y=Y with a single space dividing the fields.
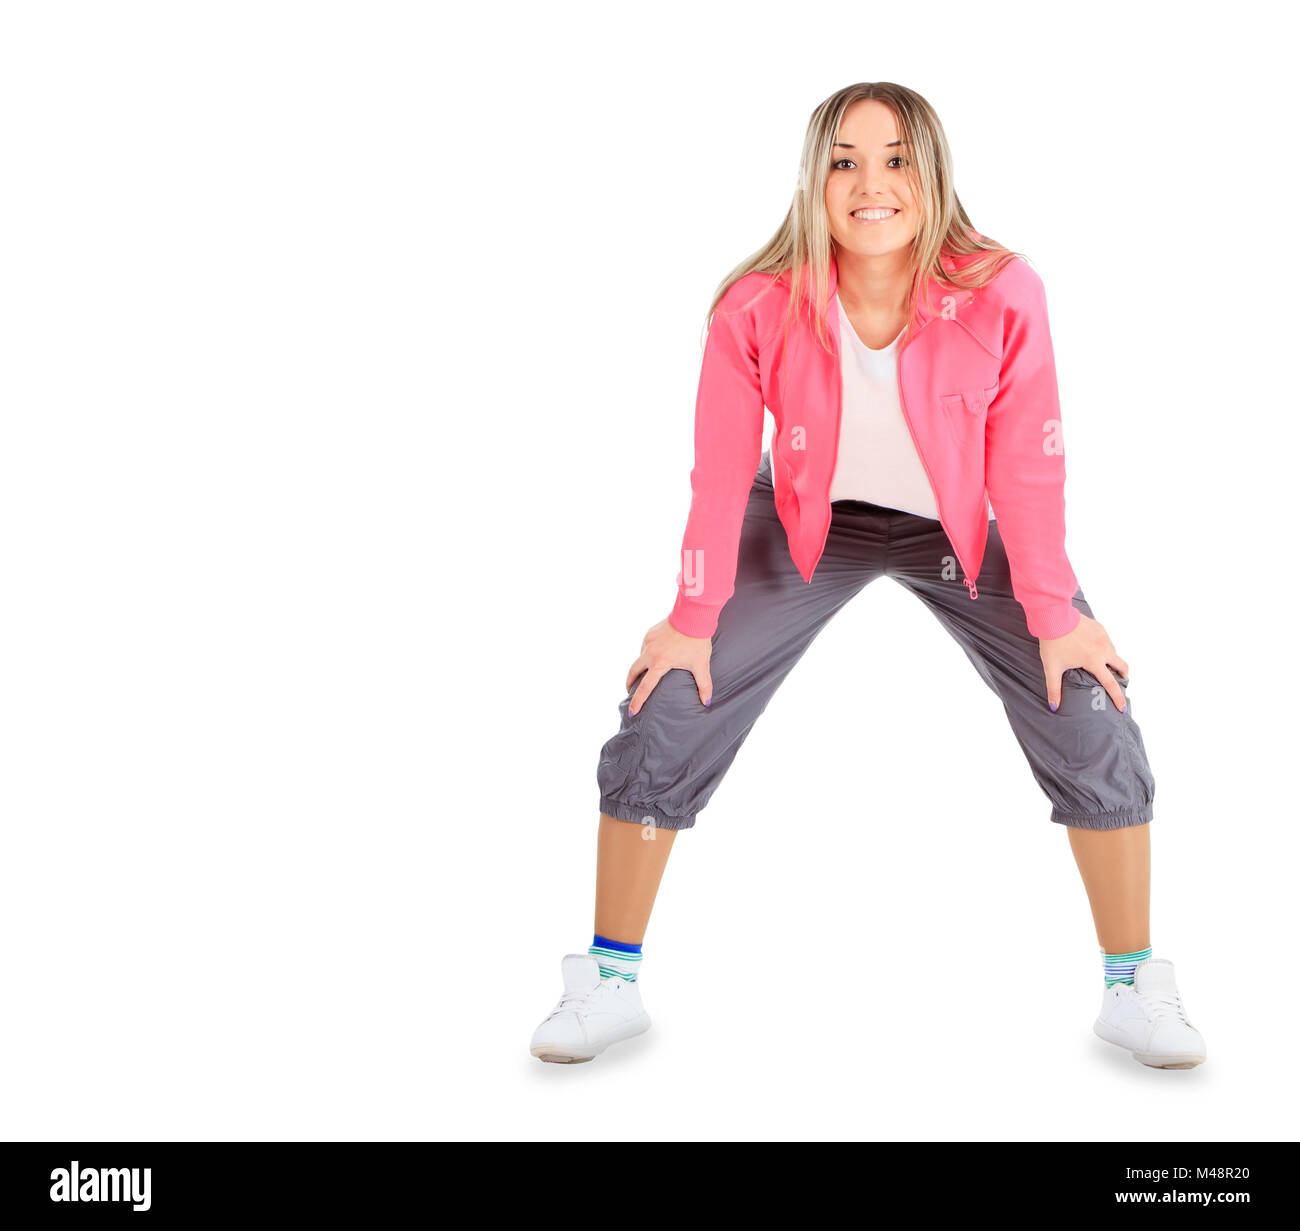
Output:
x=1087 y=646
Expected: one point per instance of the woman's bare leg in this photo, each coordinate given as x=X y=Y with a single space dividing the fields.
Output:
x=630 y=861
x=1116 y=868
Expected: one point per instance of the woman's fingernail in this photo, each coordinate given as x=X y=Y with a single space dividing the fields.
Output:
x=1123 y=707
x=709 y=701
x=1053 y=705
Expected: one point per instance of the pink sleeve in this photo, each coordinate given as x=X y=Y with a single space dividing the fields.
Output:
x=728 y=448
x=1024 y=462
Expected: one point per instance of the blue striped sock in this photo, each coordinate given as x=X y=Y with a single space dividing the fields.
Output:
x=616 y=959
x=1119 y=967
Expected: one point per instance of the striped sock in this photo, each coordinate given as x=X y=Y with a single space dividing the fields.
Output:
x=1119 y=967
x=616 y=960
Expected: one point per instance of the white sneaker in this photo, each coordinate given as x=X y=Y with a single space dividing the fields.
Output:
x=592 y=1014
x=1149 y=1020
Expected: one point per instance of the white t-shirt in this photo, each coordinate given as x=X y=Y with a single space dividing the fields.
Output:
x=877 y=459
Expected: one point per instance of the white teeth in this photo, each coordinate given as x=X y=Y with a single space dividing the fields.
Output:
x=874 y=215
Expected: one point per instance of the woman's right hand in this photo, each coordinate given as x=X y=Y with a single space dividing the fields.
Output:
x=663 y=649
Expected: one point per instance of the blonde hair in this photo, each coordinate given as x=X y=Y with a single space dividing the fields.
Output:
x=803 y=241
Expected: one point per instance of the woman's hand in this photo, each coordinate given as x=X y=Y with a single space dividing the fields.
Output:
x=1087 y=646
x=663 y=649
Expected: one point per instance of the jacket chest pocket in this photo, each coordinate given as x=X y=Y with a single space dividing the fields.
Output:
x=969 y=408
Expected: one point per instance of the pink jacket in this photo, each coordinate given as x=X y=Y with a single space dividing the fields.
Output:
x=977 y=382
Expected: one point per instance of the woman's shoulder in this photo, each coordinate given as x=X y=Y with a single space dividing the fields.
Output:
x=1016 y=279
x=751 y=292
x=1017 y=283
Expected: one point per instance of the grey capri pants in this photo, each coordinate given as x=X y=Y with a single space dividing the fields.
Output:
x=662 y=766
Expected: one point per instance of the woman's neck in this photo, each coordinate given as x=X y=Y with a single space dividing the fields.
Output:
x=875 y=286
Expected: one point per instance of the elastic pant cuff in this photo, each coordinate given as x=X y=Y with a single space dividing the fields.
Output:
x=1104 y=820
x=639 y=814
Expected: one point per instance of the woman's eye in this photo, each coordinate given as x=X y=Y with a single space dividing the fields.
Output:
x=897 y=158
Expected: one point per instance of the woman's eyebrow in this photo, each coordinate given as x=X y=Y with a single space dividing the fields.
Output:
x=844 y=145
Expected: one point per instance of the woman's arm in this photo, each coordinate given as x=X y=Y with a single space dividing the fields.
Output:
x=728 y=448
x=1024 y=465
x=1024 y=460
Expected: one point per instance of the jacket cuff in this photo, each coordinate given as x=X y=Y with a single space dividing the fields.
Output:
x=692 y=618
x=1052 y=621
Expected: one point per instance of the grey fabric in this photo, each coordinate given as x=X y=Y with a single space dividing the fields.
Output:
x=662 y=766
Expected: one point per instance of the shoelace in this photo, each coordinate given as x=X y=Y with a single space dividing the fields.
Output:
x=573 y=1001
x=1160 y=1005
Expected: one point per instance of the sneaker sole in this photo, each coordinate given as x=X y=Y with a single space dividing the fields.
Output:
x=1172 y=1060
x=553 y=1053
x=557 y=1057
x=1168 y=1062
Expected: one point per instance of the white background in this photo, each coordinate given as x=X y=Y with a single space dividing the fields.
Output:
x=349 y=357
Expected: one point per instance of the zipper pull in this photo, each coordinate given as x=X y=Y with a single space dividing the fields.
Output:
x=974 y=593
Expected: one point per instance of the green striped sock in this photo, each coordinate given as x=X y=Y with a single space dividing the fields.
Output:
x=1119 y=967
x=617 y=959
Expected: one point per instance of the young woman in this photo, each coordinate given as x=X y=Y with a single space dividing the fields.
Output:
x=908 y=366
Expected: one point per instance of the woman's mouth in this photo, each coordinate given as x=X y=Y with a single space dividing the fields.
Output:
x=876 y=213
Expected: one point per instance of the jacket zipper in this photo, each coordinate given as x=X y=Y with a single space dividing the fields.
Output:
x=835 y=450
x=967 y=580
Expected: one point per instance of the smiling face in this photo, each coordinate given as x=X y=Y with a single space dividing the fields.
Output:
x=869 y=200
